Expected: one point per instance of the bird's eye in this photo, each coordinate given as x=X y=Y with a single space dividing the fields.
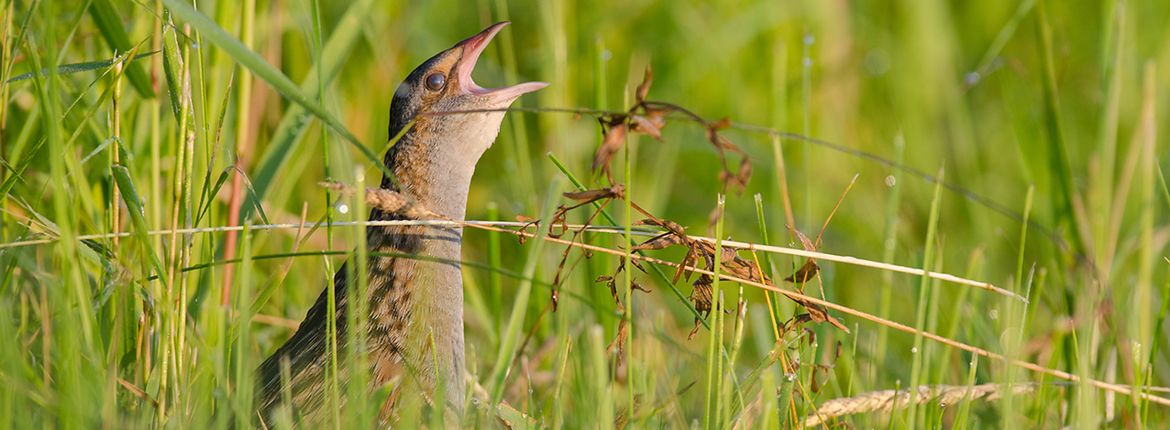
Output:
x=436 y=81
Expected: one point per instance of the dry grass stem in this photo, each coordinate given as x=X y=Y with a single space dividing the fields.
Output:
x=386 y=199
x=647 y=232
x=886 y=401
x=1117 y=388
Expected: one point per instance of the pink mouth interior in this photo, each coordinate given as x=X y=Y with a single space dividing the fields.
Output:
x=472 y=48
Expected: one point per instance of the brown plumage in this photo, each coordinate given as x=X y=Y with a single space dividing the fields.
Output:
x=411 y=301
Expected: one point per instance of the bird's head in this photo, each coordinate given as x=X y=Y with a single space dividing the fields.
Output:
x=439 y=88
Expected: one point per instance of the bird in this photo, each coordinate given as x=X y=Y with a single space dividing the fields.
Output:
x=414 y=335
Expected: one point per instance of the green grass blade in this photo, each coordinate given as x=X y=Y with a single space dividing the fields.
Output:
x=658 y=273
x=172 y=68
x=256 y=64
x=1058 y=158
x=106 y=17
x=928 y=264
x=137 y=213
x=66 y=69
x=287 y=137
x=514 y=329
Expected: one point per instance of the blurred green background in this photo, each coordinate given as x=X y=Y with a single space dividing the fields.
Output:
x=997 y=98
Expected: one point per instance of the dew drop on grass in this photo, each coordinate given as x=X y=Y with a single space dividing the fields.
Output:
x=914 y=350
x=343 y=208
x=891 y=181
x=993 y=314
x=972 y=78
x=808 y=40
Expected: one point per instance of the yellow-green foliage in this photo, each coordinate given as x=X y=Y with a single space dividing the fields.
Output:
x=1044 y=119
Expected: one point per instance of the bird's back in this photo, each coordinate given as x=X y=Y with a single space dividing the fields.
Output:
x=394 y=276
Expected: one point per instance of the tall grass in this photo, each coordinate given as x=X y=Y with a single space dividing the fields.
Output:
x=135 y=117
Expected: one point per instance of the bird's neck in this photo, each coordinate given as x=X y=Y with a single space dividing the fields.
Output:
x=432 y=173
x=422 y=294
x=434 y=161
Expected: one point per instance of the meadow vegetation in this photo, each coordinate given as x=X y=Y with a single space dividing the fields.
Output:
x=165 y=226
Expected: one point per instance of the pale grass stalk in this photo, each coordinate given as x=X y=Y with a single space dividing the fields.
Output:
x=497 y=227
x=1103 y=188
x=6 y=42
x=115 y=209
x=1143 y=325
x=276 y=321
x=853 y=261
x=243 y=146
x=330 y=289
x=115 y=159
x=918 y=353
x=155 y=107
x=717 y=331
x=782 y=178
x=285 y=267
x=358 y=398
x=1117 y=388
x=886 y=401
x=178 y=253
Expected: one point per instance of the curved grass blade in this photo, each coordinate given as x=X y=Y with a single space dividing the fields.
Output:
x=657 y=270
x=510 y=342
x=137 y=214
x=287 y=136
x=66 y=69
x=277 y=80
x=1059 y=162
x=110 y=24
x=172 y=64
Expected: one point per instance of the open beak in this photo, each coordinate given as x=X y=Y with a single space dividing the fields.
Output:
x=472 y=48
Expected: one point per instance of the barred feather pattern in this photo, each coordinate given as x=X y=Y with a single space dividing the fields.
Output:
x=389 y=298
